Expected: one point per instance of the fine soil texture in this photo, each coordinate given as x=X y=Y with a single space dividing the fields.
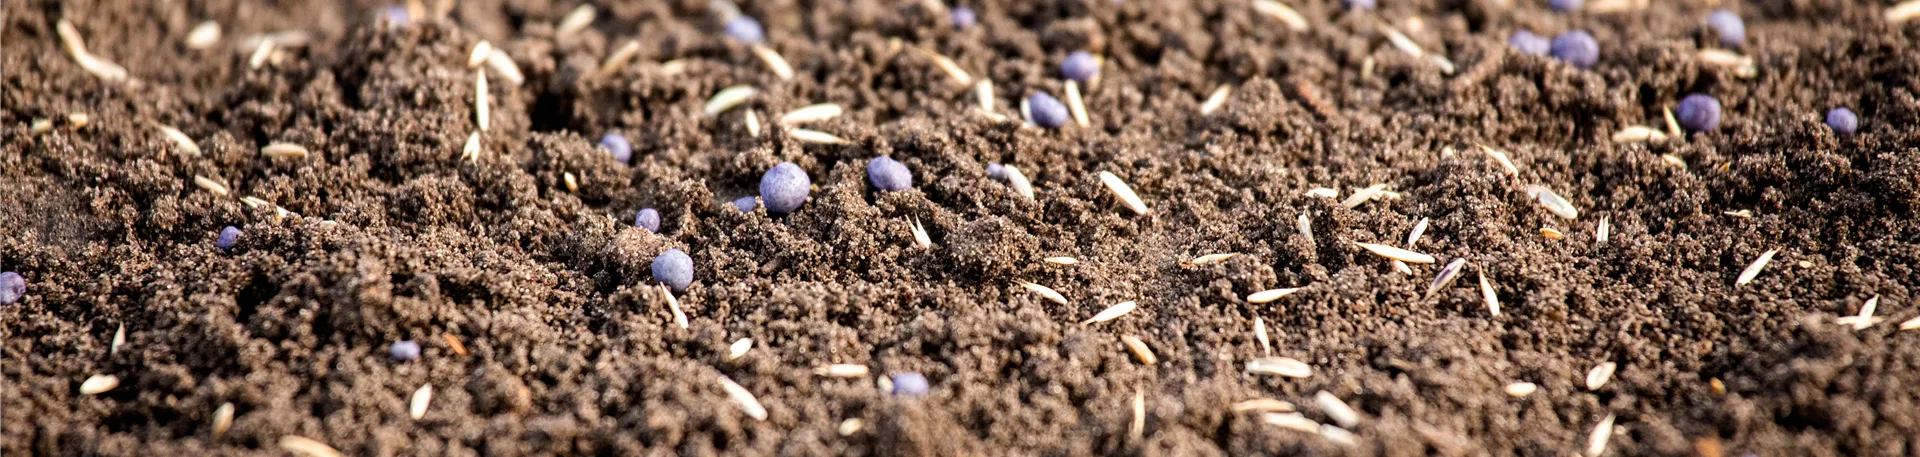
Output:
x=518 y=269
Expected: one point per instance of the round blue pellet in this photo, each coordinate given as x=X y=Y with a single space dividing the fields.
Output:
x=1843 y=121
x=1361 y=4
x=228 y=236
x=404 y=350
x=617 y=146
x=1698 y=112
x=746 y=30
x=1565 y=6
x=1079 y=66
x=996 y=171
x=888 y=174
x=12 y=287
x=910 y=384
x=1576 y=48
x=1732 y=30
x=673 y=268
x=1528 y=43
x=746 y=204
x=647 y=218
x=784 y=188
x=962 y=17
x=1046 y=110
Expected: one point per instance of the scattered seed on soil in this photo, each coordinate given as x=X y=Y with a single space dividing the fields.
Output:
x=962 y=17
x=1905 y=11
x=1212 y=258
x=1263 y=405
x=1402 y=268
x=1394 y=253
x=261 y=52
x=920 y=237
x=1139 y=349
x=1743 y=214
x=482 y=110
x=1336 y=409
x=471 y=150
x=1401 y=42
x=814 y=137
x=1124 y=192
x=99 y=384
x=984 y=93
x=179 y=139
x=1698 y=112
x=811 y=113
x=1552 y=233
x=1753 y=269
x=41 y=125
x=417 y=407
x=503 y=64
x=1338 y=435
x=752 y=120
x=851 y=426
x=1366 y=68
x=1045 y=111
x=228 y=237
x=775 y=63
x=1742 y=66
x=1216 y=100
x=307 y=447
x=1501 y=158
x=1362 y=196
x=1910 y=324
x=739 y=348
x=1419 y=228
x=1062 y=260
x=1286 y=14
x=1111 y=313
x=573 y=184
x=1487 y=294
x=1520 y=389
x=208 y=184
x=454 y=344
x=1291 y=421
x=1075 y=105
x=1260 y=333
x=403 y=350
x=728 y=98
x=1598 y=376
x=1045 y=292
x=784 y=188
x=744 y=399
x=222 y=419
x=1279 y=366
x=1865 y=318
x=479 y=55
x=575 y=21
x=1552 y=202
x=1019 y=182
x=1305 y=226
x=204 y=35
x=1597 y=441
x=1270 y=295
x=284 y=151
x=842 y=370
x=78 y=120
x=1446 y=276
x=1639 y=134
x=618 y=59
x=120 y=338
x=1079 y=66
x=1603 y=232
x=909 y=384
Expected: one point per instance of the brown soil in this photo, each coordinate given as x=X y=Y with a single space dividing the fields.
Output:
x=569 y=351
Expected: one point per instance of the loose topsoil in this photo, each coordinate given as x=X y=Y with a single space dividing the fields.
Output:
x=568 y=349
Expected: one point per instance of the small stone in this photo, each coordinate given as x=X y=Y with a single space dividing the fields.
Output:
x=1576 y=48
x=784 y=188
x=12 y=287
x=1047 y=111
x=617 y=146
x=1733 y=31
x=228 y=236
x=888 y=174
x=1528 y=43
x=910 y=384
x=963 y=18
x=404 y=350
x=1079 y=66
x=1843 y=121
x=673 y=268
x=746 y=30
x=648 y=218
x=1698 y=112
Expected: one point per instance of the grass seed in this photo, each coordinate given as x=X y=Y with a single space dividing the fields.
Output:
x=1520 y=389
x=673 y=304
x=1216 y=100
x=203 y=36
x=1045 y=292
x=1075 y=104
x=1305 y=227
x=1419 y=228
x=1279 y=366
x=920 y=237
x=1260 y=333
x=573 y=184
x=1552 y=233
x=471 y=151
x=284 y=151
x=1111 y=313
x=119 y=339
x=1019 y=182
x=1394 y=253
x=843 y=370
x=728 y=98
x=1597 y=440
x=222 y=419
x=811 y=113
x=1291 y=421
x=307 y=447
x=1487 y=294
x=739 y=348
x=1446 y=276
x=1286 y=14
x=1139 y=349
x=1639 y=134
x=482 y=108
x=1338 y=435
x=752 y=120
x=208 y=184
x=1602 y=233
x=479 y=55
x=617 y=59
x=1336 y=409
x=99 y=384
x=1552 y=202
x=1061 y=260
x=1270 y=295
x=1362 y=196
x=576 y=20
x=179 y=139
x=503 y=64
x=774 y=61
x=454 y=344
x=1905 y=11
x=417 y=407
x=1598 y=376
x=1212 y=258
x=1501 y=158
x=851 y=426
x=814 y=137
x=744 y=399
x=1124 y=192
x=1263 y=405
x=1753 y=269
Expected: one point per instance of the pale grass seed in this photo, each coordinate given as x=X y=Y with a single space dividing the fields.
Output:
x=417 y=408
x=1910 y=324
x=1124 y=192
x=1139 y=349
x=953 y=70
x=1270 y=295
x=811 y=113
x=1598 y=376
x=481 y=51
x=1446 y=276
x=1673 y=125
x=1338 y=435
x=119 y=339
x=744 y=399
x=984 y=92
x=222 y=419
x=576 y=20
x=1521 y=389
x=503 y=64
x=203 y=36
x=1501 y=158
x=179 y=139
x=1552 y=202
x=99 y=384
x=1755 y=268
x=284 y=151
x=728 y=98
x=1602 y=233
x=1019 y=182
x=739 y=348
x=774 y=61
x=1045 y=292
x=1279 y=366
x=1323 y=192
x=1260 y=333
x=307 y=447
x=1138 y=428
x=573 y=184
x=1394 y=253
x=78 y=120
x=1305 y=226
x=208 y=184
x=1362 y=196
x=1865 y=318
x=851 y=426
x=1419 y=228
x=1061 y=260
x=260 y=53
x=920 y=237
x=673 y=304
x=1905 y=11
x=1552 y=233
x=1487 y=294
x=617 y=59
x=1639 y=134
x=471 y=151
x=1075 y=104
x=1742 y=66
x=752 y=120
x=1212 y=258
x=482 y=108
x=1336 y=409
x=814 y=137
x=1111 y=313
x=1286 y=14
x=842 y=370
x=1291 y=421
x=1216 y=100
x=1263 y=405
x=1597 y=440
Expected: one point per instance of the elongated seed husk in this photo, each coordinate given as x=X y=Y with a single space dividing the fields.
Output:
x=1124 y=192
x=728 y=98
x=1045 y=292
x=1598 y=376
x=417 y=407
x=1270 y=295
x=1216 y=100
x=744 y=399
x=308 y=447
x=1754 y=269
x=1394 y=253
x=1111 y=313
x=1279 y=366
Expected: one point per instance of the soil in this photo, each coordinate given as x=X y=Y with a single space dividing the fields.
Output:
x=567 y=347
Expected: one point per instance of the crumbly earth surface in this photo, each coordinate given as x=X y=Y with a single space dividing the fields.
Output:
x=567 y=348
